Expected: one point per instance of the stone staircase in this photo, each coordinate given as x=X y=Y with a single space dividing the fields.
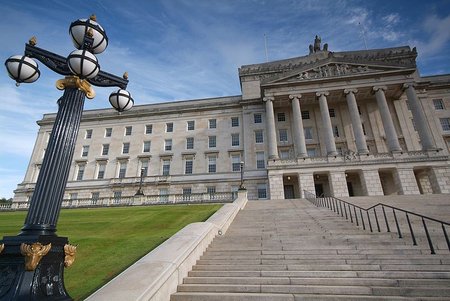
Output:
x=292 y=250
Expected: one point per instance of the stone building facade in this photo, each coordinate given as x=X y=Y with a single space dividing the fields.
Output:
x=334 y=123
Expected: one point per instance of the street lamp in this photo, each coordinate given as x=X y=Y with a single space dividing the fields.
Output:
x=139 y=192
x=45 y=253
x=241 y=187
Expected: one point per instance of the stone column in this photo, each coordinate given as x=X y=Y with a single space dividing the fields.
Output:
x=388 y=124
x=338 y=184
x=276 y=187
x=440 y=179
x=299 y=135
x=361 y=144
x=306 y=182
x=270 y=125
x=371 y=183
x=419 y=118
x=329 y=137
x=406 y=181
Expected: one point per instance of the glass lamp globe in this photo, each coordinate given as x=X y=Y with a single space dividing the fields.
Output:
x=22 y=69
x=121 y=100
x=83 y=64
x=79 y=29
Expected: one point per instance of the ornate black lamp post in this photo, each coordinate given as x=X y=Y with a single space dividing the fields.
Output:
x=32 y=263
x=139 y=192
x=241 y=187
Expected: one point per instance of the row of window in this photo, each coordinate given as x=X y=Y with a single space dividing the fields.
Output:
x=188 y=166
x=212 y=140
x=190 y=126
x=164 y=193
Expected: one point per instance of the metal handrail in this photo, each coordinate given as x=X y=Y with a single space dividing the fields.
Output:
x=341 y=207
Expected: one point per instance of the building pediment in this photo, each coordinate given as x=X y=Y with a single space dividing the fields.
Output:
x=331 y=70
x=327 y=64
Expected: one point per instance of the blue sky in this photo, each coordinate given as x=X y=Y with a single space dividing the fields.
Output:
x=189 y=49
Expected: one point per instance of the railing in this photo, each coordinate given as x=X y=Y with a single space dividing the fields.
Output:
x=364 y=216
x=194 y=198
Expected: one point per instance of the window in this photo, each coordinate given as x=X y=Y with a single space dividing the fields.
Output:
x=146 y=147
x=122 y=170
x=108 y=132
x=262 y=191
x=234 y=121
x=148 y=129
x=305 y=115
x=234 y=139
x=212 y=141
x=284 y=154
x=128 y=130
x=336 y=131
x=188 y=165
x=311 y=152
x=163 y=195
x=190 y=143
x=259 y=137
x=212 y=123
x=126 y=148
x=260 y=160
x=191 y=125
x=117 y=196
x=85 y=151
x=80 y=172
x=211 y=163
x=308 y=132
x=257 y=118
x=101 y=170
x=445 y=123
x=95 y=196
x=187 y=191
x=166 y=167
x=168 y=145
x=281 y=117
x=211 y=190
x=332 y=112
x=438 y=104
x=236 y=162
x=169 y=127
x=283 y=135
x=105 y=149
x=364 y=129
x=88 y=134
x=144 y=166
x=73 y=196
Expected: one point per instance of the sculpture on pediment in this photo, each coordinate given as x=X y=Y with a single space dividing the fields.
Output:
x=316 y=46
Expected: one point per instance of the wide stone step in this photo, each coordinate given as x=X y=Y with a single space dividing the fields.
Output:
x=207 y=256
x=319 y=281
x=315 y=260
x=201 y=296
x=318 y=289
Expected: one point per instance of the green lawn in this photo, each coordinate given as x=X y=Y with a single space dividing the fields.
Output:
x=111 y=239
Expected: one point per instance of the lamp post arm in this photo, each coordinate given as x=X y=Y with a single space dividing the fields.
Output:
x=58 y=64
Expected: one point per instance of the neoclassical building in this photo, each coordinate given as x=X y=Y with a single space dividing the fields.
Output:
x=335 y=123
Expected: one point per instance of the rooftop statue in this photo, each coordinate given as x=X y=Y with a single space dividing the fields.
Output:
x=316 y=46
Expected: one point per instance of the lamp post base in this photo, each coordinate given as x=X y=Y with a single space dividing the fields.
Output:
x=45 y=281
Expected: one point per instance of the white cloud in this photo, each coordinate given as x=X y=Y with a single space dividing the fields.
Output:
x=392 y=18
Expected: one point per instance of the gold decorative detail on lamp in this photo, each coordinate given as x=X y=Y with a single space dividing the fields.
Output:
x=32 y=41
x=2 y=246
x=125 y=75
x=93 y=17
x=33 y=254
x=69 y=251
x=76 y=82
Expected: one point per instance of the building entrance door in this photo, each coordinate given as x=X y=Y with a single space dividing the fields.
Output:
x=319 y=190
x=289 y=192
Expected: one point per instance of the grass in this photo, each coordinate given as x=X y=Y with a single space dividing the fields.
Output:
x=111 y=239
